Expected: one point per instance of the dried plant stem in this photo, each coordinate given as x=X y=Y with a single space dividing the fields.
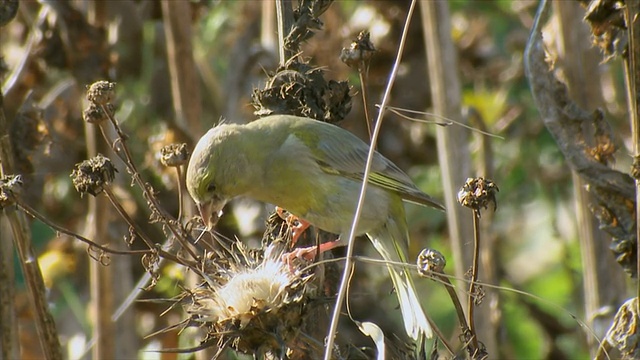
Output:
x=45 y=325
x=101 y=283
x=181 y=187
x=101 y=277
x=471 y=303
x=92 y=245
x=451 y=290
x=367 y=170
x=632 y=74
x=284 y=14
x=124 y=154
x=363 y=72
x=453 y=158
x=185 y=82
x=116 y=204
x=8 y=325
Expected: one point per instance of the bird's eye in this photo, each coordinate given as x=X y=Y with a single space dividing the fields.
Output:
x=211 y=187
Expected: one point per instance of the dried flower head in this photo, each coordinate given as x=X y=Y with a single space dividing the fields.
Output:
x=10 y=185
x=253 y=302
x=174 y=155
x=101 y=92
x=477 y=193
x=431 y=261
x=94 y=114
x=359 y=52
x=90 y=176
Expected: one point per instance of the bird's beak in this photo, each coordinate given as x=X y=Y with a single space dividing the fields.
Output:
x=210 y=213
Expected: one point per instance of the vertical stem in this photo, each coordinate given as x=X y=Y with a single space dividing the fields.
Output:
x=185 y=91
x=284 y=13
x=632 y=72
x=96 y=224
x=185 y=82
x=180 y=194
x=8 y=325
x=100 y=276
x=363 y=72
x=453 y=155
x=45 y=325
x=348 y=267
x=454 y=159
x=474 y=277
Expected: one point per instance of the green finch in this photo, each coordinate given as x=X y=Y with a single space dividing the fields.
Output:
x=314 y=170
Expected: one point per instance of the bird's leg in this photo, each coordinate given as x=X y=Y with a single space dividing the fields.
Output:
x=309 y=253
x=297 y=225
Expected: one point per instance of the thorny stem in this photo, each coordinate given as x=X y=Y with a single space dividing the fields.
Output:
x=128 y=160
x=365 y=179
x=32 y=212
x=471 y=303
x=116 y=204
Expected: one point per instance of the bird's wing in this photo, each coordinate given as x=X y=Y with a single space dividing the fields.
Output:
x=331 y=152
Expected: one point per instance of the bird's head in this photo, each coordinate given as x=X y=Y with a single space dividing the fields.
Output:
x=215 y=172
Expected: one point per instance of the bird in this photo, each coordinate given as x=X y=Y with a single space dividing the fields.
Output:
x=314 y=170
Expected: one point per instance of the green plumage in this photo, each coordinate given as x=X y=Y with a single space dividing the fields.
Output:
x=314 y=170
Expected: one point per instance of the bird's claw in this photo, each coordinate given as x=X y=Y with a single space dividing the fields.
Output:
x=308 y=254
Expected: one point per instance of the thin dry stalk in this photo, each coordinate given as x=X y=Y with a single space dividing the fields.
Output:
x=471 y=303
x=453 y=158
x=122 y=151
x=348 y=267
x=632 y=74
x=101 y=283
x=185 y=89
x=93 y=246
x=8 y=324
x=100 y=276
x=284 y=14
x=489 y=261
x=364 y=76
x=45 y=325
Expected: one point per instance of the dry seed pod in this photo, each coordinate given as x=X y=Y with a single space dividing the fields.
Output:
x=174 y=155
x=477 y=193
x=101 y=92
x=90 y=176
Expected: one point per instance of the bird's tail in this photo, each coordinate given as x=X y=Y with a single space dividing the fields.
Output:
x=415 y=321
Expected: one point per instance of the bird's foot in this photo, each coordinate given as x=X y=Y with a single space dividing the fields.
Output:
x=309 y=253
x=297 y=225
